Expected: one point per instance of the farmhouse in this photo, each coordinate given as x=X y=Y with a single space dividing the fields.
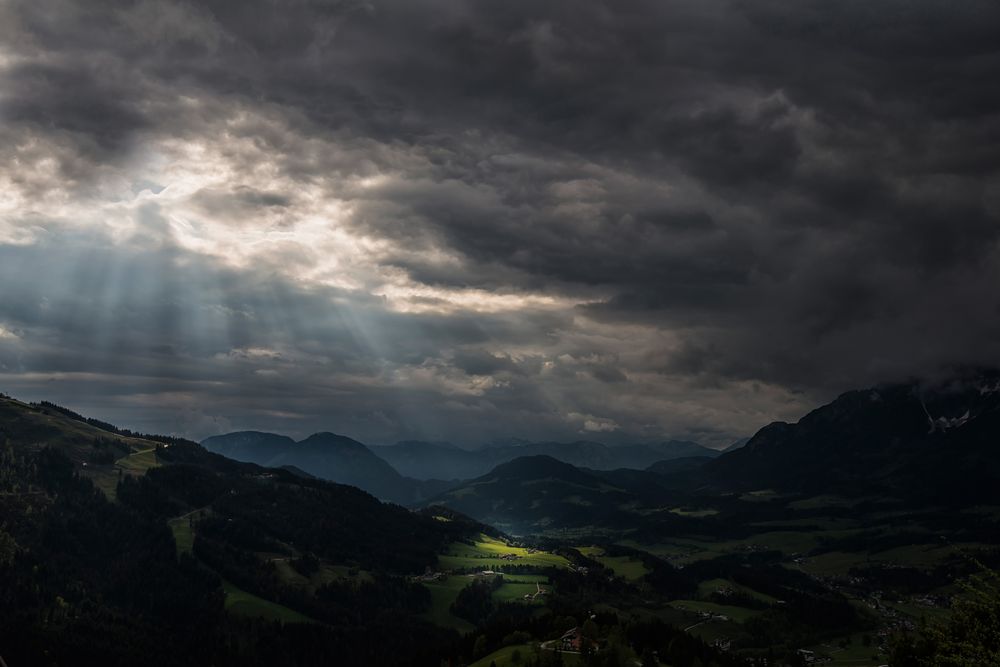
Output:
x=573 y=640
x=430 y=575
x=723 y=643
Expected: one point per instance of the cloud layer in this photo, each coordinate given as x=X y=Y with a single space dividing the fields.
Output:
x=468 y=221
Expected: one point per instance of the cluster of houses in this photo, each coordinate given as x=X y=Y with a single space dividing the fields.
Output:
x=712 y=616
x=430 y=575
x=810 y=657
x=723 y=643
x=537 y=594
x=573 y=640
x=725 y=591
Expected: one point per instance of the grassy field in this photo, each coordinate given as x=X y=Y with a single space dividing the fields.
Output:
x=668 y=615
x=832 y=563
x=527 y=579
x=855 y=654
x=920 y=612
x=183 y=534
x=682 y=551
x=706 y=588
x=138 y=462
x=712 y=630
x=623 y=566
x=921 y=556
x=243 y=603
x=514 y=592
x=105 y=478
x=485 y=553
x=443 y=594
x=505 y=657
x=326 y=574
x=760 y=496
x=738 y=614
x=694 y=513
x=516 y=587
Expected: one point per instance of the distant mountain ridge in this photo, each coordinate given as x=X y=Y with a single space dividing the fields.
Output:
x=410 y=471
x=261 y=448
x=932 y=441
x=329 y=456
x=425 y=460
x=923 y=444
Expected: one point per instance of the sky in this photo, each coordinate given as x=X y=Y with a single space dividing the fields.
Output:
x=478 y=220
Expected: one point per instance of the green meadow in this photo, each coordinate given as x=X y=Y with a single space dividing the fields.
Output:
x=443 y=594
x=737 y=614
x=710 y=586
x=623 y=566
x=183 y=533
x=485 y=553
x=515 y=587
x=138 y=462
x=243 y=603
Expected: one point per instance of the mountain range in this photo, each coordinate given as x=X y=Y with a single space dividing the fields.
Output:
x=912 y=442
x=327 y=456
x=912 y=439
x=410 y=472
x=429 y=460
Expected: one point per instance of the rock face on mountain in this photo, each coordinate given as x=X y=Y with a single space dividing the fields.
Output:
x=937 y=441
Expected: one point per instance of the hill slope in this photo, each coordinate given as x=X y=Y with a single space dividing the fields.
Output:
x=937 y=442
x=177 y=568
x=532 y=493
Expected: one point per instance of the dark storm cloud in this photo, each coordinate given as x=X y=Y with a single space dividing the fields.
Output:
x=754 y=199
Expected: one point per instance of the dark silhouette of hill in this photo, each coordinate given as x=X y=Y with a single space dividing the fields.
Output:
x=328 y=456
x=532 y=493
x=102 y=578
x=684 y=464
x=935 y=441
x=427 y=460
